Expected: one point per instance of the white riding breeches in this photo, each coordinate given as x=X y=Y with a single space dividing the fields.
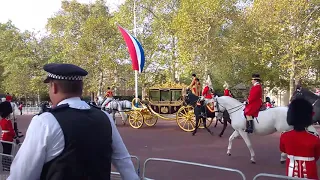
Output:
x=104 y=104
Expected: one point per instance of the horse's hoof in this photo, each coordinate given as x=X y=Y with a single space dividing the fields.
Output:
x=253 y=162
x=220 y=135
x=282 y=162
x=229 y=154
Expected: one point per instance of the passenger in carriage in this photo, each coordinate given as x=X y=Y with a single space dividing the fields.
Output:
x=302 y=146
x=72 y=141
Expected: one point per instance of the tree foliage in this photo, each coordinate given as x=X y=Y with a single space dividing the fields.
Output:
x=228 y=40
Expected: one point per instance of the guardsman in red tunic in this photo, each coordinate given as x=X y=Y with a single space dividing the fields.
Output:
x=254 y=102
x=193 y=85
x=302 y=146
x=226 y=91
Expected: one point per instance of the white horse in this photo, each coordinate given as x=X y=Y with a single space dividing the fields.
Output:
x=268 y=122
x=115 y=106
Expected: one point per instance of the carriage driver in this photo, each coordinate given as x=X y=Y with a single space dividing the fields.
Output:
x=109 y=95
x=253 y=102
x=193 y=85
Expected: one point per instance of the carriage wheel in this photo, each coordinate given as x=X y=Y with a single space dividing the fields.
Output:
x=209 y=122
x=136 y=119
x=151 y=120
x=186 y=118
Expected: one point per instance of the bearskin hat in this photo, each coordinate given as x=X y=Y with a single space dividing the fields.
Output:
x=5 y=109
x=300 y=114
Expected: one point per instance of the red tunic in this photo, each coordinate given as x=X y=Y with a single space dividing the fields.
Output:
x=9 y=98
x=109 y=93
x=303 y=149
x=227 y=93
x=254 y=101
x=268 y=105
x=206 y=93
x=7 y=130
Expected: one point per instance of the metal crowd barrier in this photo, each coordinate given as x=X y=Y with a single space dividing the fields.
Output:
x=30 y=110
x=261 y=175
x=116 y=175
x=5 y=163
x=189 y=163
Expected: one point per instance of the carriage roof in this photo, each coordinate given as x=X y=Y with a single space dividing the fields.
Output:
x=169 y=86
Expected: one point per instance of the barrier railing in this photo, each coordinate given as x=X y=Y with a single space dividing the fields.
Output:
x=8 y=147
x=16 y=149
x=5 y=163
x=189 y=163
x=116 y=175
x=261 y=175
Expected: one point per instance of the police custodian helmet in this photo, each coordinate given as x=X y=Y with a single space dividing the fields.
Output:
x=62 y=71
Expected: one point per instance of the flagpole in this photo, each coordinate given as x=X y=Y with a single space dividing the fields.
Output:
x=135 y=34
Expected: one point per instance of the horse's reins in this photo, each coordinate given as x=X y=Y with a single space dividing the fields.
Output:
x=239 y=107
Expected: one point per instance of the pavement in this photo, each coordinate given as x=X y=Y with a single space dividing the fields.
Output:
x=166 y=140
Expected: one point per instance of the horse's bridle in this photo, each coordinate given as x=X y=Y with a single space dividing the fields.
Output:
x=218 y=109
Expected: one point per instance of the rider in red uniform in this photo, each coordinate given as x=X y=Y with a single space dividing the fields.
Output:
x=253 y=102
x=268 y=103
x=8 y=97
x=226 y=91
x=301 y=145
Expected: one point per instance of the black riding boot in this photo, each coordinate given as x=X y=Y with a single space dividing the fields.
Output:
x=249 y=126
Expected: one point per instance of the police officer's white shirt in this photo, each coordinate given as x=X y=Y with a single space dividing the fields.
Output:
x=44 y=141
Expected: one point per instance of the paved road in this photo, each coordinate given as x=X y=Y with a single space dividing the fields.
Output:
x=166 y=140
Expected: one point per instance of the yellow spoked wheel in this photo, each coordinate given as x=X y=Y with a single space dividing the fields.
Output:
x=151 y=120
x=185 y=118
x=136 y=119
x=208 y=123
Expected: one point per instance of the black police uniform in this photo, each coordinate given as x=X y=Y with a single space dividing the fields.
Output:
x=84 y=155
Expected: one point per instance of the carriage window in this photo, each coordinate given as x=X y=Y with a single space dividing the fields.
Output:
x=165 y=95
x=175 y=95
x=154 y=95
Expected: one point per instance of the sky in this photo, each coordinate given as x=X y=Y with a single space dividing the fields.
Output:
x=33 y=14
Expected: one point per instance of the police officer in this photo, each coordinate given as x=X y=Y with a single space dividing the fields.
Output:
x=73 y=140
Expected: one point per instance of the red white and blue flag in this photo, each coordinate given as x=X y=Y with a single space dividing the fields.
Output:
x=135 y=50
